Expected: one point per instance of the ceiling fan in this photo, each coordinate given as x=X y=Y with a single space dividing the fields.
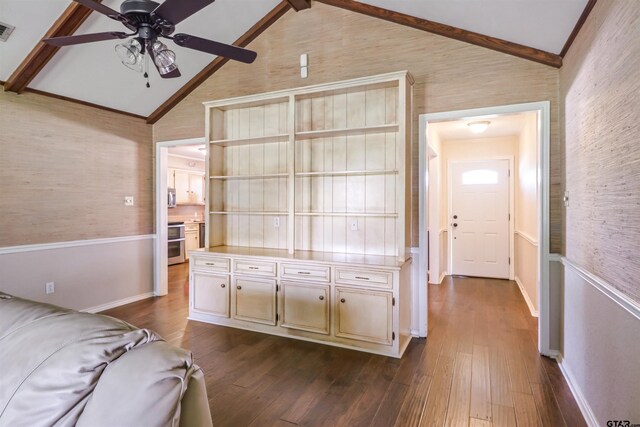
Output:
x=150 y=21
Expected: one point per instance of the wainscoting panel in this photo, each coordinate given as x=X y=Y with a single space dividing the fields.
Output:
x=88 y=274
x=526 y=269
x=600 y=358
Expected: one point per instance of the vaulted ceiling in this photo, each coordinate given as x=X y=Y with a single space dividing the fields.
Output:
x=540 y=30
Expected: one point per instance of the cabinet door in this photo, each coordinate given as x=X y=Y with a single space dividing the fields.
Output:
x=305 y=307
x=182 y=186
x=255 y=300
x=210 y=294
x=191 y=240
x=196 y=186
x=364 y=315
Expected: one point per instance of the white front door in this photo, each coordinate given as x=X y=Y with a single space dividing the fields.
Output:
x=480 y=218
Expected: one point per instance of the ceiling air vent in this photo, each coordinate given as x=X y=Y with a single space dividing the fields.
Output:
x=5 y=31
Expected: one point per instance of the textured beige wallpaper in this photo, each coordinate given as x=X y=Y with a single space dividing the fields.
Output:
x=600 y=85
x=66 y=168
x=449 y=75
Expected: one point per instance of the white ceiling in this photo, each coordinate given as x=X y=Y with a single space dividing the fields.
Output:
x=93 y=73
x=192 y=151
x=502 y=125
x=543 y=24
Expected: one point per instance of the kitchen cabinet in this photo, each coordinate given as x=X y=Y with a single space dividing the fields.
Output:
x=189 y=186
x=191 y=237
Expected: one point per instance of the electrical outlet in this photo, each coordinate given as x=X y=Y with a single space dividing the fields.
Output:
x=50 y=287
x=128 y=201
x=354 y=224
x=276 y=222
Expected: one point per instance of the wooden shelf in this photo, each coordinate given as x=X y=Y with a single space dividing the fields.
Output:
x=266 y=176
x=313 y=134
x=348 y=173
x=370 y=215
x=248 y=213
x=250 y=140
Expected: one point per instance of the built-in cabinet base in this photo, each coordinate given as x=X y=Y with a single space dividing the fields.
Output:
x=362 y=304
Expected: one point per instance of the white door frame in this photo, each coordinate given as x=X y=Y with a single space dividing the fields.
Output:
x=511 y=210
x=160 y=276
x=544 y=134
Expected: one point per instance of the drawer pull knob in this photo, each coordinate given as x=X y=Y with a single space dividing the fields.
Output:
x=304 y=272
x=321 y=298
x=222 y=285
x=253 y=268
x=238 y=287
x=362 y=278
x=342 y=300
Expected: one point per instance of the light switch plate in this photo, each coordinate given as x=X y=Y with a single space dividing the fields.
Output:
x=304 y=72
x=565 y=199
x=276 y=222
x=50 y=287
x=354 y=225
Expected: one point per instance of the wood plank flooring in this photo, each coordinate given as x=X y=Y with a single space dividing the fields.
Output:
x=479 y=367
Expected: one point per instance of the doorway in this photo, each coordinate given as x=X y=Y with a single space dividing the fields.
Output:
x=178 y=164
x=436 y=224
x=480 y=216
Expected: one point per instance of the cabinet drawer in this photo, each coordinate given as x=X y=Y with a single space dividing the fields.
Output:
x=211 y=263
x=376 y=278
x=258 y=268
x=317 y=273
x=192 y=227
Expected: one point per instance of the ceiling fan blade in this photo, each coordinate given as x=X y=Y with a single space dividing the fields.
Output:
x=216 y=48
x=85 y=38
x=171 y=75
x=176 y=11
x=100 y=8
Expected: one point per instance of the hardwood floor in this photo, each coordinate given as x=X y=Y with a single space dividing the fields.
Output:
x=479 y=367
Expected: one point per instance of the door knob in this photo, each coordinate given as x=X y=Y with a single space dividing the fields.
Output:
x=321 y=298
x=455 y=224
x=238 y=287
x=342 y=300
x=222 y=285
x=455 y=217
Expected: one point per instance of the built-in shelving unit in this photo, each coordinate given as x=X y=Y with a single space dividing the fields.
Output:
x=321 y=168
x=308 y=220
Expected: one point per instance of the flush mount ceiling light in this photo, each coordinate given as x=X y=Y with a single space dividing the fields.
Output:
x=478 y=127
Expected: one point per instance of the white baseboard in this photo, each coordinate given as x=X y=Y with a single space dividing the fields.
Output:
x=114 y=304
x=532 y=309
x=587 y=413
x=442 y=276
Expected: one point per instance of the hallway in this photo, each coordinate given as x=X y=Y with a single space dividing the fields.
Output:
x=479 y=366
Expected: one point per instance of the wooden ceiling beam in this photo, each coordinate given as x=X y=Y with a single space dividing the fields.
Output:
x=41 y=54
x=299 y=5
x=579 y=24
x=253 y=32
x=444 y=30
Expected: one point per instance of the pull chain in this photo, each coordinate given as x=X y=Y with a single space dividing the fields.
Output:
x=146 y=69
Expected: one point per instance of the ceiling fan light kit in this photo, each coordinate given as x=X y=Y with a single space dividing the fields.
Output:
x=149 y=21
